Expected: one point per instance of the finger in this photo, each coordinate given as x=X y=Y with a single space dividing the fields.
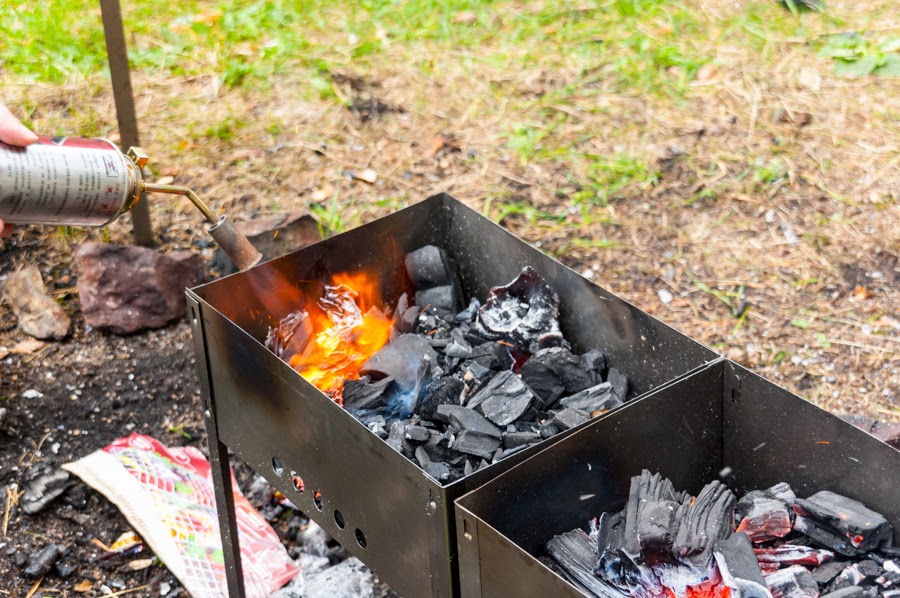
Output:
x=12 y=131
x=5 y=229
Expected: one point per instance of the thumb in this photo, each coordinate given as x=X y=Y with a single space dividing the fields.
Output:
x=12 y=131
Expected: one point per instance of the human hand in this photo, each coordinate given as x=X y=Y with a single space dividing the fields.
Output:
x=13 y=132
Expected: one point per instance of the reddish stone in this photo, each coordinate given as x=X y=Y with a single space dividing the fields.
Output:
x=124 y=289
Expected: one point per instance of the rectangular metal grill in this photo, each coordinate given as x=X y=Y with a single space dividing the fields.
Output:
x=723 y=420
x=262 y=409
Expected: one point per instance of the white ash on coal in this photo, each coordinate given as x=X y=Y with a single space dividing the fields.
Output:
x=458 y=388
x=768 y=544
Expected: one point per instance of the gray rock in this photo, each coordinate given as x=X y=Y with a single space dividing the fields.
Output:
x=124 y=289
x=350 y=579
x=38 y=314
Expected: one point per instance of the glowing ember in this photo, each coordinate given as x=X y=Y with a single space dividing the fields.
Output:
x=328 y=342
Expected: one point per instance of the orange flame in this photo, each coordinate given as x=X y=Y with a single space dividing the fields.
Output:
x=346 y=327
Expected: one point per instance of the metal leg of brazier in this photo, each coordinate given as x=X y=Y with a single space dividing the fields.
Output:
x=221 y=474
x=218 y=460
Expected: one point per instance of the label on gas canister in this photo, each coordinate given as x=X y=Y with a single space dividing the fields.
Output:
x=63 y=180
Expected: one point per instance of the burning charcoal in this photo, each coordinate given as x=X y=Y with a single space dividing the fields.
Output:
x=555 y=372
x=43 y=490
x=842 y=524
x=408 y=359
x=576 y=555
x=656 y=527
x=512 y=440
x=417 y=434
x=827 y=572
x=525 y=312
x=569 y=418
x=766 y=514
x=863 y=573
x=408 y=321
x=739 y=568
x=443 y=391
x=440 y=300
x=363 y=394
x=503 y=400
x=429 y=267
x=593 y=399
x=853 y=592
x=43 y=561
x=401 y=325
x=707 y=520
x=791 y=554
x=439 y=471
x=793 y=582
x=619 y=383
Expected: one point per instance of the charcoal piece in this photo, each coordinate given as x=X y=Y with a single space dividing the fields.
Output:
x=569 y=418
x=554 y=373
x=443 y=391
x=438 y=447
x=397 y=436
x=41 y=562
x=594 y=361
x=593 y=399
x=421 y=456
x=863 y=573
x=841 y=524
x=430 y=266
x=766 y=514
x=458 y=350
x=408 y=321
x=549 y=429
x=645 y=490
x=793 y=582
x=823 y=574
x=512 y=440
x=493 y=356
x=408 y=359
x=525 y=313
x=656 y=527
x=402 y=325
x=853 y=592
x=462 y=418
x=364 y=394
x=417 y=434
x=42 y=490
x=503 y=400
x=619 y=383
x=439 y=471
x=575 y=553
x=475 y=443
x=791 y=554
x=739 y=568
x=468 y=314
x=614 y=565
x=438 y=300
x=707 y=520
